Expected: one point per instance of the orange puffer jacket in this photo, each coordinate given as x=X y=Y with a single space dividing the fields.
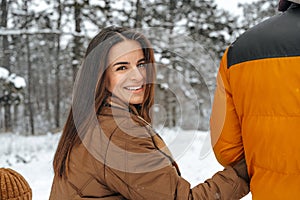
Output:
x=256 y=110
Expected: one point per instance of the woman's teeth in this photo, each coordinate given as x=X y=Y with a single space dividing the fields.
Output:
x=134 y=88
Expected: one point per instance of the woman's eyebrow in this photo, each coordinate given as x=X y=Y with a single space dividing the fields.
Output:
x=121 y=63
x=126 y=63
x=141 y=60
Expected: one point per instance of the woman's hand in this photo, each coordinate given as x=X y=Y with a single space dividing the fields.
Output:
x=241 y=169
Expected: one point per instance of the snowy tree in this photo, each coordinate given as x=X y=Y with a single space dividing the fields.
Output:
x=256 y=12
x=11 y=93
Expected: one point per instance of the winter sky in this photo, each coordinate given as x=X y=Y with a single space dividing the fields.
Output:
x=231 y=5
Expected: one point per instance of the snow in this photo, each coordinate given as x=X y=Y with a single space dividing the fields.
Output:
x=3 y=73
x=266 y=5
x=97 y=2
x=164 y=85
x=17 y=81
x=160 y=76
x=40 y=6
x=32 y=157
x=165 y=61
x=157 y=56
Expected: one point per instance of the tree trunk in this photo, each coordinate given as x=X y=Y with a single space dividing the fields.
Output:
x=5 y=44
x=77 y=39
x=139 y=15
x=29 y=98
x=46 y=111
x=29 y=77
x=1 y=119
x=5 y=62
x=16 y=112
x=171 y=98
x=171 y=101
x=57 y=70
x=7 y=118
x=107 y=11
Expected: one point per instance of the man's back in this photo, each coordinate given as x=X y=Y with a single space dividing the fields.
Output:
x=261 y=77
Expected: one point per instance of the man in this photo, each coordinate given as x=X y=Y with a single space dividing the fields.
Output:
x=256 y=110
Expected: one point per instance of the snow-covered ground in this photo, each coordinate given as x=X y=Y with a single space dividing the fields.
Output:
x=32 y=157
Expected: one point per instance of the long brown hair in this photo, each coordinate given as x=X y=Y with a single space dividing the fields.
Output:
x=90 y=90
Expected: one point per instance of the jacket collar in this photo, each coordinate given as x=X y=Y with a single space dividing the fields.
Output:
x=116 y=103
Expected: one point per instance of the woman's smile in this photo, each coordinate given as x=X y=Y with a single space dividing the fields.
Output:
x=135 y=89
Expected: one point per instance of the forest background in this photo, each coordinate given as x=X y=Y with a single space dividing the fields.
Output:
x=42 y=45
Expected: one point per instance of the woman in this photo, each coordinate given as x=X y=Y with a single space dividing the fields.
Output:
x=108 y=149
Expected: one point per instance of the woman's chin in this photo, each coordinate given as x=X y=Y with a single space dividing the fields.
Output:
x=136 y=100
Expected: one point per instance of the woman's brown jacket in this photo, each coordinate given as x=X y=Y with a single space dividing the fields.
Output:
x=123 y=158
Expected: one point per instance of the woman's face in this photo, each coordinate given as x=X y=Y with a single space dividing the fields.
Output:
x=126 y=72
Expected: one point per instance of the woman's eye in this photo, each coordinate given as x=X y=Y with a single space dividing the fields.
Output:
x=121 y=68
x=141 y=65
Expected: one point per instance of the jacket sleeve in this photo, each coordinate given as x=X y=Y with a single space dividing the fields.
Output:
x=166 y=184
x=152 y=176
x=223 y=185
x=225 y=126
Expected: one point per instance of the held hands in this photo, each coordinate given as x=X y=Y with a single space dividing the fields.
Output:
x=241 y=169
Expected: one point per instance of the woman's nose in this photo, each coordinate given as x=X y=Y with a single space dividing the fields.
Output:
x=136 y=74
